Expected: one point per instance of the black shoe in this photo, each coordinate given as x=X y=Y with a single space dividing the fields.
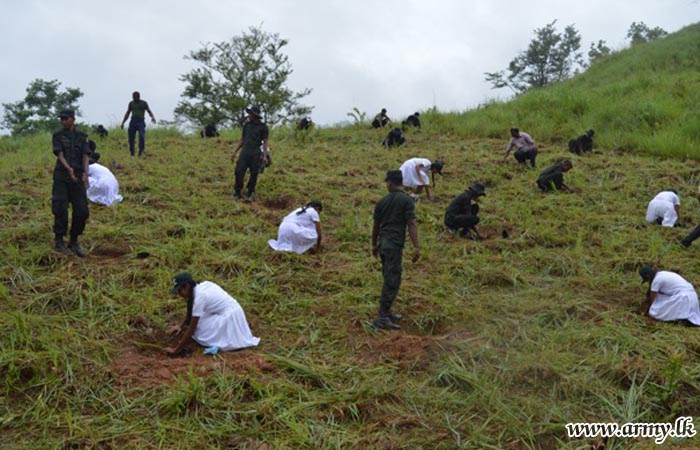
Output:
x=684 y=243
x=73 y=245
x=385 y=323
x=60 y=247
x=395 y=317
x=237 y=195
x=250 y=198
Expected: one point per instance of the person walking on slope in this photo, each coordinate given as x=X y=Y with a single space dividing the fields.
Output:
x=255 y=132
x=137 y=108
x=392 y=215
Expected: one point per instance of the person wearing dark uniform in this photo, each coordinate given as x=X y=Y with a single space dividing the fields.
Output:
x=305 y=124
x=209 y=131
x=70 y=181
x=583 y=143
x=254 y=134
x=413 y=120
x=381 y=120
x=137 y=109
x=462 y=215
x=553 y=177
x=394 y=138
x=392 y=215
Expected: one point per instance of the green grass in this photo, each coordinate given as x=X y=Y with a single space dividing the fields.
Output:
x=643 y=99
x=504 y=342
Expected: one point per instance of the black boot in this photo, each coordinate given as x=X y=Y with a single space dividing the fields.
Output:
x=60 y=247
x=686 y=241
x=73 y=245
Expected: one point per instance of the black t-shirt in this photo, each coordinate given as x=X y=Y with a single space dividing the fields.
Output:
x=73 y=144
x=461 y=205
x=253 y=134
x=552 y=175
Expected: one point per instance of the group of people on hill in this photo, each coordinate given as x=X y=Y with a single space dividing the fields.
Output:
x=216 y=320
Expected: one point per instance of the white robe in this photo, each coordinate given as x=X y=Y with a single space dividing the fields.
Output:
x=297 y=233
x=222 y=322
x=663 y=207
x=410 y=177
x=104 y=187
x=676 y=299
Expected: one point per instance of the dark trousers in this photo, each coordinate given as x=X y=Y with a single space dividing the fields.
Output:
x=463 y=221
x=691 y=237
x=247 y=161
x=137 y=125
x=391 y=272
x=63 y=193
x=525 y=154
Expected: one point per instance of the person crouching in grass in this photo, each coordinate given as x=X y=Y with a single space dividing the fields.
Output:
x=214 y=319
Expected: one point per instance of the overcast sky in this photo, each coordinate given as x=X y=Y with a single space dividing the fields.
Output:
x=404 y=55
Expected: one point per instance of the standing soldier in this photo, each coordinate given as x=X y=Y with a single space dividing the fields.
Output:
x=70 y=181
x=138 y=109
x=255 y=133
x=392 y=215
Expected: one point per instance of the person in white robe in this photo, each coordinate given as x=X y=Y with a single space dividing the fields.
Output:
x=670 y=297
x=664 y=208
x=104 y=187
x=214 y=319
x=300 y=230
x=416 y=175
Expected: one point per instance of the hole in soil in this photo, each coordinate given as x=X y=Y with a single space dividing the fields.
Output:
x=279 y=202
x=148 y=366
x=111 y=250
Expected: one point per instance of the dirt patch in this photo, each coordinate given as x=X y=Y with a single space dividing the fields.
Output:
x=406 y=350
x=279 y=202
x=133 y=367
x=111 y=250
x=31 y=193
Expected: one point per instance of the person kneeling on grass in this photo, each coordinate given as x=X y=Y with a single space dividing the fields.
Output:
x=214 y=319
x=552 y=178
x=462 y=215
x=670 y=297
x=300 y=230
x=664 y=208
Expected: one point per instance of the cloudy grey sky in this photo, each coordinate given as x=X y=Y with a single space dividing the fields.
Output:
x=404 y=55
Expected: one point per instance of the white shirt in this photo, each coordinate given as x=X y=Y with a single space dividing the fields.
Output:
x=663 y=207
x=210 y=299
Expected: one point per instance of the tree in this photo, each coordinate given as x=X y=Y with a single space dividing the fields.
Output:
x=598 y=51
x=40 y=107
x=248 y=69
x=550 y=57
x=640 y=33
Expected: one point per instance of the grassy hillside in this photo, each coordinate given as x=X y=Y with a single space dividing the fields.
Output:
x=505 y=340
x=643 y=99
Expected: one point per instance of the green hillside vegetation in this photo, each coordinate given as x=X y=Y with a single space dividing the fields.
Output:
x=644 y=99
x=505 y=340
